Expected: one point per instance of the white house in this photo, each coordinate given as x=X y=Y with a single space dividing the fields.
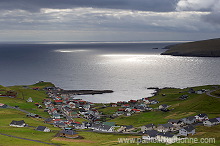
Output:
x=189 y=120
x=187 y=130
x=29 y=99
x=43 y=128
x=150 y=135
x=175 y=122
x=201 y=117
x=165 y=127
x=148 y=127
x=166 y=137
x=154 y=101
x=211 y=122
x=163 y=106
x=106 y=128
x=17 y=123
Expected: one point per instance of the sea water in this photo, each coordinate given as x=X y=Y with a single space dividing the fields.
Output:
x=127 y=68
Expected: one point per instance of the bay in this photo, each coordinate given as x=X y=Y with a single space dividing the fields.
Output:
x=127 y=68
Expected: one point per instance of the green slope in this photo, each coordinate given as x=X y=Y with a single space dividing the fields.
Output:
x=206 y=48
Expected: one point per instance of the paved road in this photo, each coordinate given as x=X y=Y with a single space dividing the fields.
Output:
x=28 y=139
x=24 y=111
x=209 y=93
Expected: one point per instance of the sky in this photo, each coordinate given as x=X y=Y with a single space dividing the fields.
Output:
x=109 y=20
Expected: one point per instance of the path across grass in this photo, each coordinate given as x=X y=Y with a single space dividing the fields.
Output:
x=29 y=139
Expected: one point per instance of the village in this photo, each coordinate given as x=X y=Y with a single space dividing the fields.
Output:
x=64 y=108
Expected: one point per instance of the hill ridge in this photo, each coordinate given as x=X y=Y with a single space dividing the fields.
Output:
x=203 y=48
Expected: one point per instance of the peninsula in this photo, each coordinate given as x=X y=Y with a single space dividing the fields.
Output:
x=43 y=114
x=205 y=48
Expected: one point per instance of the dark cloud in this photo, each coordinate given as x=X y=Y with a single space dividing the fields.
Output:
x=213 y=18
x=143 y=5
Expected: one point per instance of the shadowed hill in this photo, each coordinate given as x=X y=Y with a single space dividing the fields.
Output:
x=206 y=48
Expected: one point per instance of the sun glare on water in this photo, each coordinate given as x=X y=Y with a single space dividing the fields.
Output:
x=70 y=51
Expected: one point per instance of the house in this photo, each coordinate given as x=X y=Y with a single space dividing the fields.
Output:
x=56 y=116
x=68 y=134
x=72 y=105
x=201 y=91
x=58 y=102
x=211 y=122
x=191 y=90
x=187 y=130
x=154 y=101
x=29 y=99
x=165 y=127
x=95 y=127
x=128 y=109
x=127 y=114
x=109 y=123
x=43 y=128
x=125 y=105
x=33 y=115
x=119 y=113
x=132 y=101
x=136 y=110
x=48 y=121
x=163 y=106
x=18 y=123
x=128 y=128
x=74 y=114
x=79 y=126
x=183 y=97
x=148 y=127
x=201 y=117
x=189 y=120
x=146 y=99
x=106 y=128
x=150 y=135
x=3 y=105
x=86 y=124
x=175 y=122
x=60 y=125
x=166 y=137
x=114 y=105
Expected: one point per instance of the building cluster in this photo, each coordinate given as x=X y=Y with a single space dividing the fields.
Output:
x=173 y=129
x=64 y=109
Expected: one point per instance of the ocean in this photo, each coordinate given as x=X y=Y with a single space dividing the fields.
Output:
x=127 y=68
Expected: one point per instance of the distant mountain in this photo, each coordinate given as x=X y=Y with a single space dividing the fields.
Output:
x=205 y=48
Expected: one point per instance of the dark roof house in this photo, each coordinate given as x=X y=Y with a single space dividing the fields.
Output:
x=187 y=130
x=18 y=123
x=43 y=128
x=68 y=134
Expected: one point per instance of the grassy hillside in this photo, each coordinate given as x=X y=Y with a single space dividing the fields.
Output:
x=195 y=104
x=206 y=48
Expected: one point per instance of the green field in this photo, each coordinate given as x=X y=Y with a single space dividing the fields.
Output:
x=195 y=104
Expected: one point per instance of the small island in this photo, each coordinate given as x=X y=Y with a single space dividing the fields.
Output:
x=205 y=48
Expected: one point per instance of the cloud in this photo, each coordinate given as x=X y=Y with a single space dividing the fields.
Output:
x=195 y=5
x=212 y=6
x=88 y=19
x=143 y=5
x=114 y=19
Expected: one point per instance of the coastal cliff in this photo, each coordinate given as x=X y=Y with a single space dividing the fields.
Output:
x=205 y=48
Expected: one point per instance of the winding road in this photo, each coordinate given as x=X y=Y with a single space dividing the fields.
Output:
x=209 y=93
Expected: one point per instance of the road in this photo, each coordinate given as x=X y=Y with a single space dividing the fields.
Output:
x=209 y=93
x=28 y=139
x=24 y=111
